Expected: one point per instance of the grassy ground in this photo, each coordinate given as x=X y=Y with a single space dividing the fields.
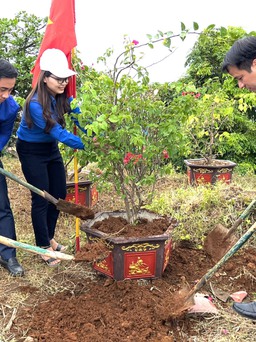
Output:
x=198 y=211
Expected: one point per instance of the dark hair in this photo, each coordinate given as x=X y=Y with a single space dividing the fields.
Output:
x=43 y=94
x=7 y=69
x=241 y=54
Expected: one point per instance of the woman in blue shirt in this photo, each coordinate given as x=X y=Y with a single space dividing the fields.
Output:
x=41 y=128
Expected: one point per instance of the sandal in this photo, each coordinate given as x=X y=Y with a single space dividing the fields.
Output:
x=51 y=262
x=59 y=247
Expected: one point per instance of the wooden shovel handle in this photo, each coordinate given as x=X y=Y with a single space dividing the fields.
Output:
x=34 y=249
x=241 y=218
x=68 y=207
x=42 y=193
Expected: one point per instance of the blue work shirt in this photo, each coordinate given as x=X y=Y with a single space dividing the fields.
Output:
x=36 y=133
x=8 y=113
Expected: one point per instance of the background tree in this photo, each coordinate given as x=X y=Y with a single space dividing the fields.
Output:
x=207 y=55
x=20 y=42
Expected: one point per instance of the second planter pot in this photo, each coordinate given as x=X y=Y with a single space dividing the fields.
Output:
x=199 y=172
x=87 y=193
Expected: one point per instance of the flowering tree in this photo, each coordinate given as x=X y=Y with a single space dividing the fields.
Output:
x=131 y=137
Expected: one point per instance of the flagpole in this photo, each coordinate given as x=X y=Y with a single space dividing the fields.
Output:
x=77 y=220
x=76 y=199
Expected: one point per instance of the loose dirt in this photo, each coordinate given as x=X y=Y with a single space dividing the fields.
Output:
x=100 y=309
x=91 y=252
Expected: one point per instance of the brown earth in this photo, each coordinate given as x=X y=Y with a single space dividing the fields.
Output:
x=106 y=310
x=72 y=302
x=209 y=162
x=100 y=309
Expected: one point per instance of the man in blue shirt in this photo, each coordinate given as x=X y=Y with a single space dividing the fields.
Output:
x=240 y=63
x=8 y=112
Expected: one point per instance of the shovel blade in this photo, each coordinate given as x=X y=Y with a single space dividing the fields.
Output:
x=216 y=244
x=219 y=293
x=77 y=210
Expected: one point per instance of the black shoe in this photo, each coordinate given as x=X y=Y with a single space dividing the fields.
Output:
x=247 y=310
x=12 y=266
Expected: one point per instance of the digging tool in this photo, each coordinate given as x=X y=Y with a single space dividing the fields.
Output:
x=62 y=205
x=186 y=298
x=220 y=294
x=220 y=239
x=34 y=249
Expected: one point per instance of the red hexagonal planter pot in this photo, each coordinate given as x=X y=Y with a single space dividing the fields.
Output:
x=199 y=172
x=131 y=257
x=87 y=193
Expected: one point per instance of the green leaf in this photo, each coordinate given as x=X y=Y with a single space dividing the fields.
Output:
x=113 y=118
x=195 y=26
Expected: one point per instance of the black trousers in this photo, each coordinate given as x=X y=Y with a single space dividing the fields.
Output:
x=43 y=167
x=7 y=226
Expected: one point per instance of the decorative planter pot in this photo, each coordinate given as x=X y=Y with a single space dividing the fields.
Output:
x=199 y=172
x=130 y=257
x=87 y=193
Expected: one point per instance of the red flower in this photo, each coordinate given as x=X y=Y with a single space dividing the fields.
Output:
x=136 y=158
x=184 y=93
x=165 y=154
x=132 y=157
x=128 y=157
x=135 y=42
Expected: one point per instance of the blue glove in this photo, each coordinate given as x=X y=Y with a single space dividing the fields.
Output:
x=74 y=107
x=78 y=125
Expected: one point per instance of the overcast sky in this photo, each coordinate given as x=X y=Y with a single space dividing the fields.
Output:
x=101 y=24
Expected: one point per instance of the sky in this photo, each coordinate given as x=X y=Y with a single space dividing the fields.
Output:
x=102 y=24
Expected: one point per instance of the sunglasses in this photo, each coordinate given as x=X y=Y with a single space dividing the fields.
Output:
x=60 y=80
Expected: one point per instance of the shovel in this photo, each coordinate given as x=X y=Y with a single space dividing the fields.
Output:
x=220 y=239
x=186 y=299
x=33 y=249
x=67 y=207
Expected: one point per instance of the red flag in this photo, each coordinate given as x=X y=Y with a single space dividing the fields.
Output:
x=59 y=34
